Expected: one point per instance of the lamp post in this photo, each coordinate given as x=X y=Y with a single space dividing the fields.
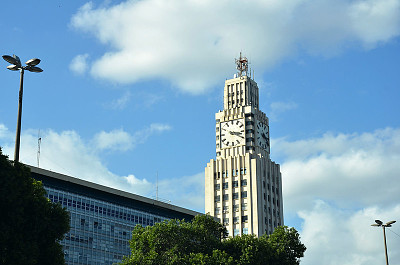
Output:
x=388 y=224
x=15 y=66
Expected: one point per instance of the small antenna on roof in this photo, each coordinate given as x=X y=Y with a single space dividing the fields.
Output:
x=38 y=152
x=157 y=187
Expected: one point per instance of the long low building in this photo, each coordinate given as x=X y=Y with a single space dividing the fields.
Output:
x=102 y=218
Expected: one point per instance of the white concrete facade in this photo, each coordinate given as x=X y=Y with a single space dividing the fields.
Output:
x=243 y=187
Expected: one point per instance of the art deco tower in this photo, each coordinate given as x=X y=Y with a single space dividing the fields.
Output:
x=243 y=187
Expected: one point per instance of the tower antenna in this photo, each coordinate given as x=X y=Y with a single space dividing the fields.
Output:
x=38 y=152
x=242 y=65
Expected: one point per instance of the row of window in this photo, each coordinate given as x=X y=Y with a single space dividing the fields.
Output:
x=235 y=196
x=235 y=172
x=269 y=222
x=235 y=220
x=225 y=208
x=233 y=102
x=233 y=93
x=235 y=184
x=274 y=189
x=276 y=213
x=245 y=231
x=101 y=210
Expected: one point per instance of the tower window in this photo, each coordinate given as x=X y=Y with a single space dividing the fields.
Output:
x=244 y=218
x=217 y=210
x=235 y=196
x=226 y=221
x=235 y=184
x=244 y=207
x=243 y=182
x=244 y=194
x=236 y=207
x=225 y=185
x=217 y=198
x=217 y=186
x=225 y=197
x=226 y=209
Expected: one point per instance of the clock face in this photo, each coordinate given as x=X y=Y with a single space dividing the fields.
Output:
x=262 y=135
x=232 y=133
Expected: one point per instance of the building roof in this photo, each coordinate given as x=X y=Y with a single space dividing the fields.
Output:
x=96 y=191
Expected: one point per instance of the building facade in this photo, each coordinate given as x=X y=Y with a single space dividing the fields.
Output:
x=243 y=187
x=102 y=218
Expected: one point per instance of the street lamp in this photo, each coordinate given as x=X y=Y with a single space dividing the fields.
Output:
x=388 y=224
x=15 y=66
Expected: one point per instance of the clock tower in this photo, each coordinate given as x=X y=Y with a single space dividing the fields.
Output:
x=243 y=187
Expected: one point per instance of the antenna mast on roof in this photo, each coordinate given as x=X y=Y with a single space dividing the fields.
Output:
x=157 y=187
x=242 y=65
x=38 y=152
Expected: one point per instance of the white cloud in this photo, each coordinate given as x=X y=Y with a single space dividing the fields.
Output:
x=68 y=153
x=79 y=64
x=121 y=102
x=142 y=135
x=186 y=191
x=192 y=45
x=123 y=141
x=114 y=140
x=338 y=184
x=334 y=236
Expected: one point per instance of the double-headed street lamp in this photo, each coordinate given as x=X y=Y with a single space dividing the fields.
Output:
x=15 y=66
x=388 y=224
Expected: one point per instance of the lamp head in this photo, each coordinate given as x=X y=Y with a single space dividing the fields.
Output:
x=33 y=62
x=379 y=222
x=34 y=69
x=12 y=60
x=390 y=223
x=13 y=67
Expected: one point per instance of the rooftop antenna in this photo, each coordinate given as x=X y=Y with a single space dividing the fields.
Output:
x=242 y=65
x=157 y=187
x=38 y=152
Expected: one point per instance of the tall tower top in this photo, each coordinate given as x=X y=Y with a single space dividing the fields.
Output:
x=242 y=65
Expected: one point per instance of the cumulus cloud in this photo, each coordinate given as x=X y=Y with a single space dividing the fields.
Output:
x=193 y=187
x=79 y=64
x=114 y=140
x=192 y=45
x=67 y=153
x=122 y=141
x=338 y=184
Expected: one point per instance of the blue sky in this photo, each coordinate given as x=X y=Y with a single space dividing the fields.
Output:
x=130 y=89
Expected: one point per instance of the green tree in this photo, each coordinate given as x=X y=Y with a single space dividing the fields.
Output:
x=30 y=224
x=203 y=241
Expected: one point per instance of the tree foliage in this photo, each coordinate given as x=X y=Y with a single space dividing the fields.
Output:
x=31 y=225
x=203 y=241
